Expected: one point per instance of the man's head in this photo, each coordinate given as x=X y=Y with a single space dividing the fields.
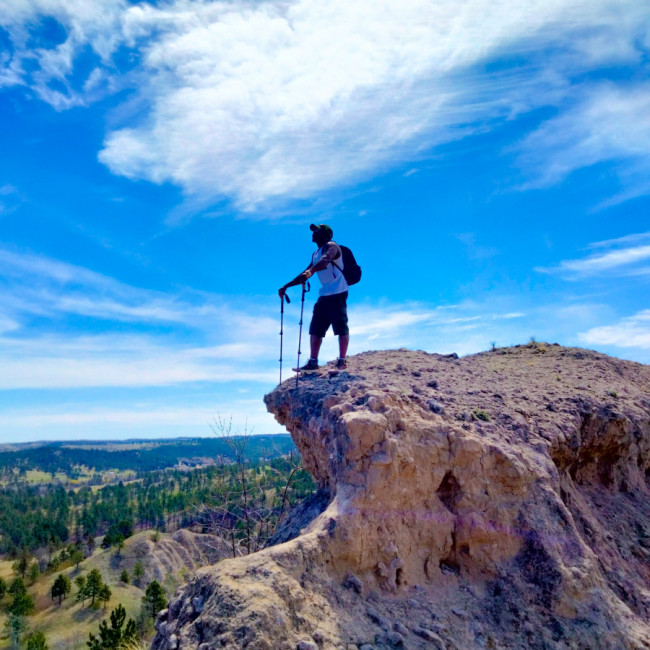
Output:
x=321 y=234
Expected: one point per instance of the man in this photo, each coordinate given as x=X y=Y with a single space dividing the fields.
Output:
x=331 y=306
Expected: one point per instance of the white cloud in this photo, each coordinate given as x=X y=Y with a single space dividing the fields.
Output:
x=607 y=261
x=69 y=422
x=628 y=257
x=610 y=124
x=635 y=238
x=278 y=100
x=631 y=332
x=10 y=198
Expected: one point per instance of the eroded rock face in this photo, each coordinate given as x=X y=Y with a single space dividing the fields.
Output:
x=499 y=500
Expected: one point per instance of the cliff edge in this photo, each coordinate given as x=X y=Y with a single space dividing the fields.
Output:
x=498 y=500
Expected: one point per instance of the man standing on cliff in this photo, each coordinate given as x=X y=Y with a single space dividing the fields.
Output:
x=331 y=306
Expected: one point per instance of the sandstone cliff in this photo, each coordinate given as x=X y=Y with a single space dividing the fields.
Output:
x=498 y=500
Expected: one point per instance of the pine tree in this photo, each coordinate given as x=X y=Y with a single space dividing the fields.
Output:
x=104 y=594
x=3 y=588
x=114 y=637
x=154 y=599
x=124 y=577
x=23 y=562
x=61 y=587
x=33 y=572
x=16 y=626
x=93 y=586
x=138 y=572
x=77 y=557
x=80 y=581
x=37 y=641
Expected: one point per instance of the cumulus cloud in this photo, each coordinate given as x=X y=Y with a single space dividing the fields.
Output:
x=631 y=332
x=257 y=102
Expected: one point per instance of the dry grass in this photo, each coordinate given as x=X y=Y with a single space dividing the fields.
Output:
x=68 y=625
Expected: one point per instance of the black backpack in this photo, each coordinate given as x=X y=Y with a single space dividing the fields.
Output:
x=351 y=270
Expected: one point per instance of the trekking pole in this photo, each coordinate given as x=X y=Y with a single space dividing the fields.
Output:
x=282 y=299
x=305 y=289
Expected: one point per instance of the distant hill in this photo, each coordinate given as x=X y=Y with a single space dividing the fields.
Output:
x=141 y=455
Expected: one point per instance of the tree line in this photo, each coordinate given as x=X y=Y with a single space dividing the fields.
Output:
x=242 y=499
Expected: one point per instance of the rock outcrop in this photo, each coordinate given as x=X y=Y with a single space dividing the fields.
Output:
x=498 y=500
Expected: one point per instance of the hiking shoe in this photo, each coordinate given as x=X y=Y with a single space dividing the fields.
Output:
x=310 y=365
x=341 y=364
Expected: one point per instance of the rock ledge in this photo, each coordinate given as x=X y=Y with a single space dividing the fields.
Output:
x=498 y=500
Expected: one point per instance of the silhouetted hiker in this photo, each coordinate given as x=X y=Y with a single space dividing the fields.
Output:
x=331 y=306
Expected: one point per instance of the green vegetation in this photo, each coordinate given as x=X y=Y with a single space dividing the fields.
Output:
x=86 y=461
x=480 y=414
x=61 y=587
x=154 y=599
x=49 y=536
x=37 y=641
x=114 y=637
x=240 y=499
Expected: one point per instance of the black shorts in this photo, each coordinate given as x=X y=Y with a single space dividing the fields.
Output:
x=330 y=310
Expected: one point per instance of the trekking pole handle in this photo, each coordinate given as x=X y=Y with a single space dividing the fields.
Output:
x=285 y=297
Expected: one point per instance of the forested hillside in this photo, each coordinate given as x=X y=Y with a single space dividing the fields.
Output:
x=71 y=458
x=51 y=533
x=41 y=518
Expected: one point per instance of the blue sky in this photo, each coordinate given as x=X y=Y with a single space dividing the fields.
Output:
x=487 y=161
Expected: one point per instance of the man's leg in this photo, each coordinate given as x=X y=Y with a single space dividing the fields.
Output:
x=344 y=340
x=314 y=343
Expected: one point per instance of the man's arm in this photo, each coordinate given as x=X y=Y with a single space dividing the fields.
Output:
x=331 y=252
x=299 y=279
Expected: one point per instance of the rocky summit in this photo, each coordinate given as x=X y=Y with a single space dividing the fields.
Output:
x=500 y=500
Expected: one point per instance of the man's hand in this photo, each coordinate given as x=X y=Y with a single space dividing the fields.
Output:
x=281 y=292
x=305 y=275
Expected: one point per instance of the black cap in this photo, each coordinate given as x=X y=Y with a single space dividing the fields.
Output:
x=322 y=227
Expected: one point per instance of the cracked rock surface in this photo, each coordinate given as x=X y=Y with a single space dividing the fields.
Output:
x=497 y=500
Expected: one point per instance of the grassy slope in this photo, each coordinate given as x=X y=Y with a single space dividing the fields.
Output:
x=67 y=626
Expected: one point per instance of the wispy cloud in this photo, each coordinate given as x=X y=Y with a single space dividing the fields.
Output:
x=154 y=420
x=622 y=260
x=631 y=332
x=10 y=199
x=281 y=100
x=610 y=123
x=205 y=338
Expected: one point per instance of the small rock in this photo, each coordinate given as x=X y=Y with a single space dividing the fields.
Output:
x=306 y=645
x=453 y=355
x=172 y=642
x=378 y=618
x=161 y=627
x=162 y=615
x=204 y=646
x=395 y=638
x=429 y=636
x=367 y=646
x=436 y=407
x=402 y=629
x=198 y=604
x=318 y=636
x=458 y=611
x=416 y=373
x=353 y=582
x=413 y=603
x=432 y=384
